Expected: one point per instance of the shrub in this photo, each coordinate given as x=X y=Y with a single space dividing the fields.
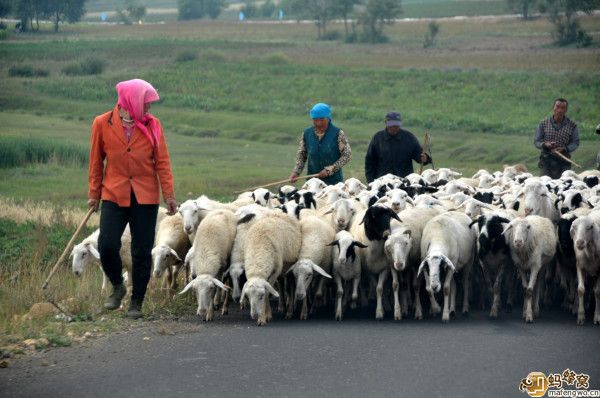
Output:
x=27 y=71
x=214 y=56
x=89 y=66
x=277 y=58
x=186 y=56
x=434 y=29
x=18 y=151
x=332 y=35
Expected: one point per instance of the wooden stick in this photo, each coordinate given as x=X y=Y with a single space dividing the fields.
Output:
x=64 y=253
x=424 y=148
x=276 y=183
x=563 y=157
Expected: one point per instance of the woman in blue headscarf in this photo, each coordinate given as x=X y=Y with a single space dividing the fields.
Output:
x=324 y=146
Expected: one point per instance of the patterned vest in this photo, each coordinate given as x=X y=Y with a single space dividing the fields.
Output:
x=323 y=152
x=562 y=135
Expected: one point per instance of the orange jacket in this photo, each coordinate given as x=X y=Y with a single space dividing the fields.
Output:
x=129 y=165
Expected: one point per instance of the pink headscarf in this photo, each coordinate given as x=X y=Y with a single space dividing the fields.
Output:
x=133 y=94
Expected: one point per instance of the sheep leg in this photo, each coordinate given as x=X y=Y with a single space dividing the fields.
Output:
x=175 y=276
x=225 y=309
x=355 y=283
x=210 y=312
x=262 y=318
x=452 y=297
x=268 y=313
x=304 y=311
x=418 y=307
x=395 y=288
x=580 y=294
x=497 y=291
x=510 y=294
x=404 y=296
x=169 y=279
x=382 y=277
x=529 y=292
x=290 y=298
x=339 y=295
x=435 y=307
x=536 y=300
x=466 y=282
x=446 y=291
x=104 y=288
x=597 y=296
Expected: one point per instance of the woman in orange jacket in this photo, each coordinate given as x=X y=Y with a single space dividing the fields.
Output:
x=129 y=159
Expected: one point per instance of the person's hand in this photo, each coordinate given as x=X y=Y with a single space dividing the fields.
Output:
x=550 y=145
x=171 y=206
x=323 y=173
x=424 y=157
x=93 y=204
x=293 y=177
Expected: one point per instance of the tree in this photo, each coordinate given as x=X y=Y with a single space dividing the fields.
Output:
x=5 y=7
x=28 y=11
x=522 y=6
x=376 y=15
x=64 y=10
x=190 y=9
x=344 y=8
x=214 y=7
x=136 y=11
x=434 y=29
x=563 y=14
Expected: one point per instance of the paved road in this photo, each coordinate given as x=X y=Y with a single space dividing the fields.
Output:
x=359 y=357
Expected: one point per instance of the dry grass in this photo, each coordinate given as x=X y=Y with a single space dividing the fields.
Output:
x=45 y=213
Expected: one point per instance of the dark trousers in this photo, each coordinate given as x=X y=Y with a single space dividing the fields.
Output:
x=552 y=166
x=142 y=224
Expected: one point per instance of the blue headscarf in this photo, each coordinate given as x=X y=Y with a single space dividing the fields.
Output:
x=320 y=111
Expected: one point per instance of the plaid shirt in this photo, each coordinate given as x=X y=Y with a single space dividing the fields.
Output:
x=345 y=154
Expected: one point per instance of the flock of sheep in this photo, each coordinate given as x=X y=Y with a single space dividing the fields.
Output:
x=336 y=246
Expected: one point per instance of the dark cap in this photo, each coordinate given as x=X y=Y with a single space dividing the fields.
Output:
x=393 y=119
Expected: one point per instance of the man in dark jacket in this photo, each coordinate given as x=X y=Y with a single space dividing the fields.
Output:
x=393 y=150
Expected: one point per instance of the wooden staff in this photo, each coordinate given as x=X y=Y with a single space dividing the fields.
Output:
x=425 y=147
x=563 y=157
x=277 y=183
x=64 y=254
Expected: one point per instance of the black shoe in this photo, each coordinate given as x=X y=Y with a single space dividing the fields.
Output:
x=114 y=300
x=135 y=309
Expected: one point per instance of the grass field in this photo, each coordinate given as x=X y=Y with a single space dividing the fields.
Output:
x=234 y=112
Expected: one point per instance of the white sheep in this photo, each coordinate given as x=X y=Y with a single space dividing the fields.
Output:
x=171 y=245
x=448 y=242
x=194 y=211
x=403 y=250
x=272 y=245
x=372 y=227
x=314 y=256
x=346 y=267
x=212 y=247
x=86 y=253
x=532 y=241
x=314 y=185
x=341 y=213
x=585 y=232
x=354 y=186
x=539 y=201
x=263 y=197
x=397 y=198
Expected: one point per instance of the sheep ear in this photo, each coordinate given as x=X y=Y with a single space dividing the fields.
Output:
x=407 y=232
x=226 y=272
x=220 y=284
x=475 y=221
x=292 y=268
x=189 y=286
x=72 y=254
x=504 y=220
x=409 y=200
x=314 y=202
x=94 y=252
x=174 y=253
x=334 y=243
x=421 y=266
x=360 y=244
x=320 y=270
x=394 y=215
x=271 y=290
x=329 y=211
x=246 y=218
x=507 y=228
x=448 y=263
x=253 y=197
